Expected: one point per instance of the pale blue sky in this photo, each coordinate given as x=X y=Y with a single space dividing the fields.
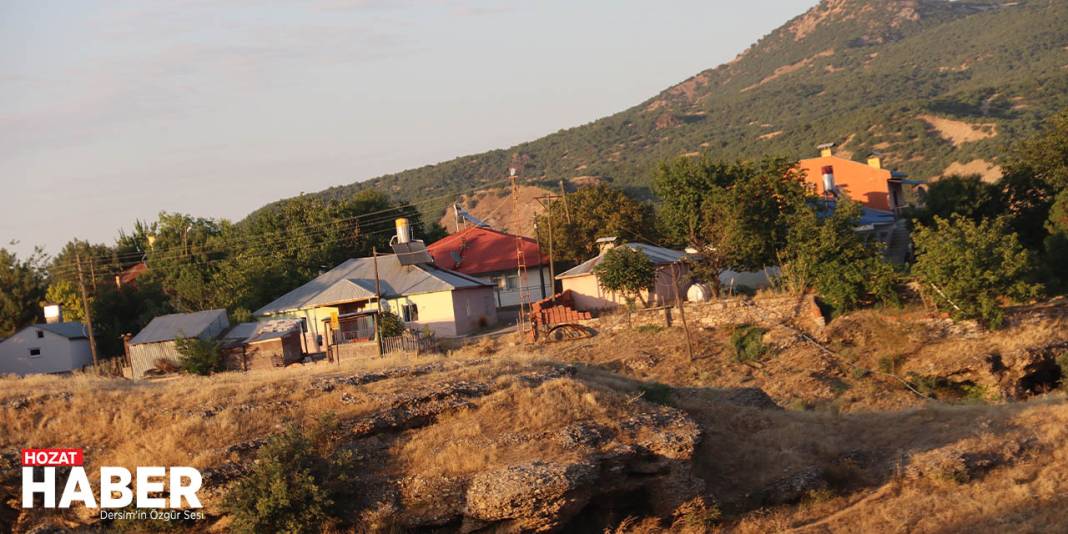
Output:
x=112 y=111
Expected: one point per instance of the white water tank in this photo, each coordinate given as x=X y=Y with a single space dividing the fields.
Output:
x=404 y=230
x=699 y=293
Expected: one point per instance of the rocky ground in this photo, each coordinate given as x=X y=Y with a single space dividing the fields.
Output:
x=622 y=431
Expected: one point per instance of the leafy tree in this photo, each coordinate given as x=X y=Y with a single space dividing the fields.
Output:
x=299 y=479
x=598 y=211
x=125 y=310
x=736 y=215
x=199 y=356
x=627 y=271
x=1056 y=243
x=66 y=295
x=21 y=289
x=828 y=255
x=969 y=196
x=1036 y=173
x=968 y=267
x=391 y=324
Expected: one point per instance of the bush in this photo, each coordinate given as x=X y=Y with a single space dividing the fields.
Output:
x=968 y=267
x=199 y=356
x=625 y=270
x=295 y=485
x=748 y=343
x=392 y=325
x=656 y=393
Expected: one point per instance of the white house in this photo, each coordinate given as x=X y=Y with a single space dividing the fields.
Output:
x=46 y=348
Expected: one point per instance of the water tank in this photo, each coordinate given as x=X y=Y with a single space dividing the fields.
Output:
x=699 y=293
x=828 y=179
x=404 y=231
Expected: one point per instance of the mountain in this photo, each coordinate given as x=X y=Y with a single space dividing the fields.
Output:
x=936 y=86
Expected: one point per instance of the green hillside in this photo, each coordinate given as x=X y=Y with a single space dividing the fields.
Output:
x=925 y=82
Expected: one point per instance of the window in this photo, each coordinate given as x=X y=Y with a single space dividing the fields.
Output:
x=512 y=281
x=35 y=353
x=40 y=334
x=410 y=313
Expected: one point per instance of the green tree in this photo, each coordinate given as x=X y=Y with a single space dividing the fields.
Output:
x=1055 y=244
x=66 y=295
x=199 y=356
x=391 y=324
x=969 y=196
x=828 y=255
x=595 y=212
x=626 y=271
x=968 y=267
x=21 y=289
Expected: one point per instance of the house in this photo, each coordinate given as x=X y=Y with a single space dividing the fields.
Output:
x=263 y=345
x=869 y=184
x=46 y=348
x=129 y=276
x=588 y=294
x=157 y=340
x=490 y=256
x=339 y=305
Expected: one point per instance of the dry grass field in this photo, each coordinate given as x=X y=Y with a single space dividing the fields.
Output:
x=621 y=431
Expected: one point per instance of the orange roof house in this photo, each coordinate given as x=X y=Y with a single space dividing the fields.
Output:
x=869 y=184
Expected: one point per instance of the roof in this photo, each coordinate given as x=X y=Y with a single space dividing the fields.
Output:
x=354 y=280
x=131 y=273
x=479 y=250
x=260 y=331
x=658 y=255
x=69 y=330
x=868 y=216
x=177 y=325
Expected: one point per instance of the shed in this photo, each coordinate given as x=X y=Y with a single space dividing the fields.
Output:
x=157 y=340
x=46 y=348
x=588 y=294
x=263 y=345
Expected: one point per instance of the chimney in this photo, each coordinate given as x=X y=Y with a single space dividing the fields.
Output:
x=605 y=244
x=53 y=313
x=404 y=230
x=875 y=161
x=826 y=150
x=828 y=180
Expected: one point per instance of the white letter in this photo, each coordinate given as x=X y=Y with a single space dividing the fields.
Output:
x=46 y=487
x=77 y=489
x=189 y=492
x=144 y=487
x=108 y=487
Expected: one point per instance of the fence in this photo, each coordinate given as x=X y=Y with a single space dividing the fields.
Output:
x=409 y=342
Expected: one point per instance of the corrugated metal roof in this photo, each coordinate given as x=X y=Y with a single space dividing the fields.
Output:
x=483 y=250
x=260 y=331
x=658 y=255
x=355 y=280
x=69 y=330
x=178 y=325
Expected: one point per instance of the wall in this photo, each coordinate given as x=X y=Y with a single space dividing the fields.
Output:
x=265 y=354
x=474 y=309
x=435 y=312
x=770 y=310
x=863 y=183
x=58 y=353
x=538 y=283
x=143 y=356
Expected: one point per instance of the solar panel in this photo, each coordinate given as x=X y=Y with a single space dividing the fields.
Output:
x=412 y=253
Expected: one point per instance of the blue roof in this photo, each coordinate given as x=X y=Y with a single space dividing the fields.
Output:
x=868 y=216
x=69 y=330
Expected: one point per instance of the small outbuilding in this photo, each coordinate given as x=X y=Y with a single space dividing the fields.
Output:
x=263 y=345
x=46 y=348
x=157 y=340
x=588 y=294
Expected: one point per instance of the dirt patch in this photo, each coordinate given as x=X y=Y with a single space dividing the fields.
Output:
x=960 y=132
x=790 y=69
x=770 y=135
x=988 y=171
x=494 y=207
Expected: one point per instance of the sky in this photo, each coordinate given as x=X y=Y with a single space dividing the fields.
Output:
x=113 y=111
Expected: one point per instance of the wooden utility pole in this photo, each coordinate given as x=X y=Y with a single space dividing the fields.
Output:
x=85 y=307
x=682 y=309
x=549 y=211
x=563 y=195
x=378 y=301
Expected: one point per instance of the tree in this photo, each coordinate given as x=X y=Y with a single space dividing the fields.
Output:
x=1037 y=171
x=828 y=255
x=21 y=289
x=969 y=196
x=65 y=294
x=734 y=214
x=391 y=325
x=598 y=211
x=199 y=356
x=1055 y=244
x=967 y=268
x=626 y=271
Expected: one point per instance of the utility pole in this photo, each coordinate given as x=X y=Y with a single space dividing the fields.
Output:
x=563 y=194
x=549 y=211
x=378 y=301
x=85 y=307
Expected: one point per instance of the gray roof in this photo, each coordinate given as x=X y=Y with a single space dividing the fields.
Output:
x=354 y=280
x=178 y=325
x=69 y=330
x=260 y=331
x=658 y=255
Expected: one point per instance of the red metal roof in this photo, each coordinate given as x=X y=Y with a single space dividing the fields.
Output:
x=483 y=250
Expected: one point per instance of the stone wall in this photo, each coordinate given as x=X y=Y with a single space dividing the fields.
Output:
x=800 y=311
